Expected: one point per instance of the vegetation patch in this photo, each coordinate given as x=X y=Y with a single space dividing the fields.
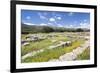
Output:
x=49 y=54
x=85 y=55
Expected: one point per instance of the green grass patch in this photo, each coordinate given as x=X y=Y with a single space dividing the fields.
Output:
x=43 y=44
x=85 y=55
x=53 y=53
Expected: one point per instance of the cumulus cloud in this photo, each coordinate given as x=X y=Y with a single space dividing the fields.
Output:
x=59 y=18
x=85 y=20
x=52 y=19
x=28 y=17
x=71 y=25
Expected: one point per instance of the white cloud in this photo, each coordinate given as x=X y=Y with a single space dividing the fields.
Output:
x=30 y=24
x=81 y=25
x=59 y=18
x=28 y=17
x=85 y=20
x=52 y=19
x=71 y=13
x=70 y=26
x=43 y=24
x=41 y=16
x=84 y=25
x=49 y=23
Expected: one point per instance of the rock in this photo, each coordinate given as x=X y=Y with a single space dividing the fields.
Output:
x=68 y=57
x=41 y=50
x=73 y=55
x=25 y=44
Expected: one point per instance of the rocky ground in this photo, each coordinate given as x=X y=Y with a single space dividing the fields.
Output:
x=73 y=55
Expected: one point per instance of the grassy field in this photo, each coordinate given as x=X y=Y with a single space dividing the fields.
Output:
x=49 y=54
x=85 y=55
x=37 y=45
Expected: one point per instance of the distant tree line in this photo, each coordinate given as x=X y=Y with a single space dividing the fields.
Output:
x=25 y=29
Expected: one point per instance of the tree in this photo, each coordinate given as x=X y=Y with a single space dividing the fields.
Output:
x=47 y=29
x=79 y=30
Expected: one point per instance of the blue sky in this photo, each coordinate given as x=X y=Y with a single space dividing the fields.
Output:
x=55 y=18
